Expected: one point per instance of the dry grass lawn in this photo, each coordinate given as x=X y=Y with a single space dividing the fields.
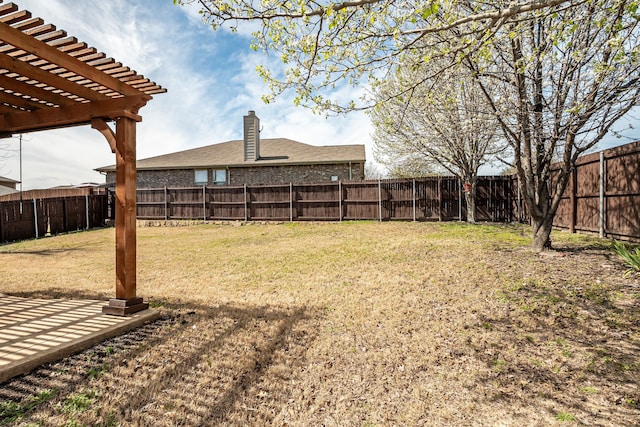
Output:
x=345 y=324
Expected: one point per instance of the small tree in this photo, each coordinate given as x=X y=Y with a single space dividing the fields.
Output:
x=556 y=83
x=445 y=126
x=411 y=165
x=373 y=171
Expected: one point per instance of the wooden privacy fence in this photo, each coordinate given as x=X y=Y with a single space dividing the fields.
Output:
x=603 y=195
x=432 y=198
x=35 y=218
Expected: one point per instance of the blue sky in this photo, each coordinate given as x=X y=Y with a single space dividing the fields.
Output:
x=211 y=82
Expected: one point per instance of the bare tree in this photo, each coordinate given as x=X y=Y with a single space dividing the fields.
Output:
x=556 y=83
x=446 y=126
x=411 y=165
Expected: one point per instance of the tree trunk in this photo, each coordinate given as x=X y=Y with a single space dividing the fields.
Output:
x=541 y=233
x=470 y=199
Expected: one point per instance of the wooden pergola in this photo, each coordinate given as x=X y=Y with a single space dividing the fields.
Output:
x=49 y=80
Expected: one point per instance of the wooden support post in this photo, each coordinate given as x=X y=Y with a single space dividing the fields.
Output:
x=86 y=210
x=340 y=200
x=439 y=198
x=520 y=213
x=291 y=202
x=459 y=199
x=35 y=216
x=166 y=212
x=573 y=201
x=380 y=199
x=126 y=301
x=246 y=213
x=204 y=202
x=414 y=201
x=601 y=181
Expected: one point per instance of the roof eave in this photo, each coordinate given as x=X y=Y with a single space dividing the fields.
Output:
x=235 y=165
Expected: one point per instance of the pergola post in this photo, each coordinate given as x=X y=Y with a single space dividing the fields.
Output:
x=62 y=82
x=126 y=300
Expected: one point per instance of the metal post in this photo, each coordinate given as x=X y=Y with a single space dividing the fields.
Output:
x=86 y=204
x=340 y=200
x=380 y=198
x=246 y=216
x=35 y=217
x=414 y=200
x=602 y=206
x=291 y=201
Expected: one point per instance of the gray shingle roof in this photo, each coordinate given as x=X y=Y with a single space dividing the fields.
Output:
x=5 y=179
x=276 y=151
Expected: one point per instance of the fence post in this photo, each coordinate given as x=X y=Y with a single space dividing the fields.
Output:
x=86 y=204
x=573 y=200
x=35 y=217
x=380 y=198
x=166 y=217
x=204 y=202
x=602 y=206
x=246 y=215
x=340 y=200
x=459 y=200
x=439 y=198
x=414 y=200
x=518 y=210
x=291 y=202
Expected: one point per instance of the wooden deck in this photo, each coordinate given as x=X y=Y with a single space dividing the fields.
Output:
x=38 y=331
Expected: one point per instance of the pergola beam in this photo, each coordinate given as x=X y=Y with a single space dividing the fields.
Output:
x=34 y=91
x=36 y=73
x=32 y=45
x=73 y=115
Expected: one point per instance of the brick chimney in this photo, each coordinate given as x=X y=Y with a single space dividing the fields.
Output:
x=251 y=136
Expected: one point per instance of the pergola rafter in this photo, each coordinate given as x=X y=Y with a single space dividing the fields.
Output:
x=49 y=80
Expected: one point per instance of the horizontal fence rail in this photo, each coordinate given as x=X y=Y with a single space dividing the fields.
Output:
x=423 y=199
x=28 y=219
x=603 y=195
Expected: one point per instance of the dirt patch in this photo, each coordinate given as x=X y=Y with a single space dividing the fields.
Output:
x=353 y=324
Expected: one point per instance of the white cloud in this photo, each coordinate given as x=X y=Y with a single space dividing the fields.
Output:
x=211 y=82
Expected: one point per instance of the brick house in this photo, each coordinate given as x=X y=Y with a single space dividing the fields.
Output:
x=249 y=161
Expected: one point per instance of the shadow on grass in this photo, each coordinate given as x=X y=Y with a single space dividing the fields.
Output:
x=572 y=345
x=45 y=252
x=200 y=364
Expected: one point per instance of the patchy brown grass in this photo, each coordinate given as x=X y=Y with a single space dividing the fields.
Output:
x=349 y=324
